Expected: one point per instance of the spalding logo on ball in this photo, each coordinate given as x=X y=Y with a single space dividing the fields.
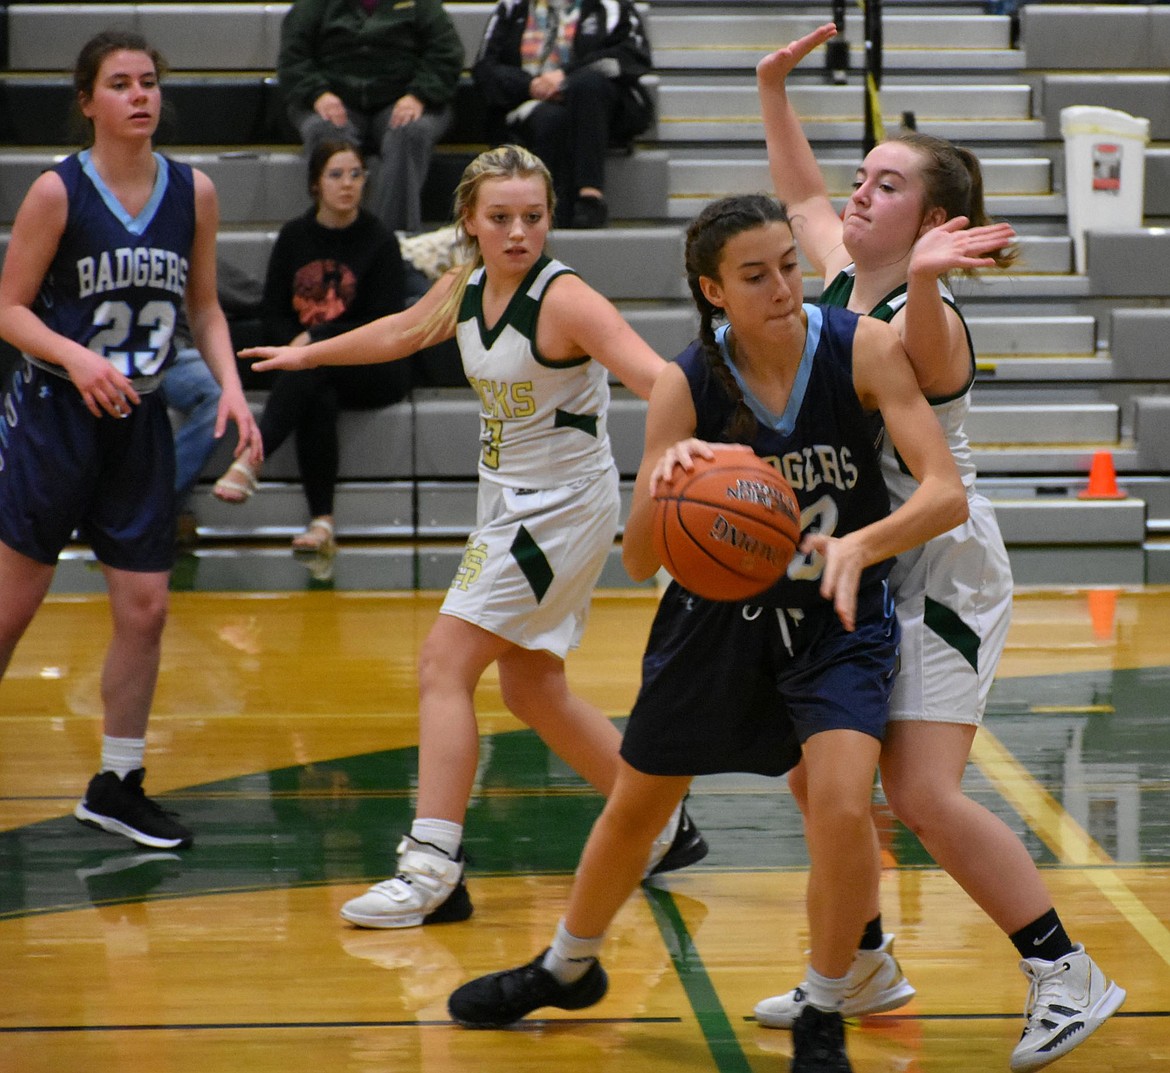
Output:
x=728 y=529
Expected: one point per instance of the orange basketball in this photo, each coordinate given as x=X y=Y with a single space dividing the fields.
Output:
x=727 y=530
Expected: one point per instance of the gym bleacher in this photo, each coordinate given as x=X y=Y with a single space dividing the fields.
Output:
x=1071 y=365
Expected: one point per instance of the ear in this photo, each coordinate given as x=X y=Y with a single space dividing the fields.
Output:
x=712 y=290
x=934 y=218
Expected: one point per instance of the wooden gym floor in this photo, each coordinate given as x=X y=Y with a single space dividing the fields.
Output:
x=284 y=730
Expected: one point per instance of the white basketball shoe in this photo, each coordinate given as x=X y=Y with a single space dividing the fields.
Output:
x=1068 y=1000
x=428 y=888
x=876 y=984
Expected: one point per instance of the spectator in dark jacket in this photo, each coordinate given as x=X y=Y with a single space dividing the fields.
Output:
x=563 y=78
x=381 y=74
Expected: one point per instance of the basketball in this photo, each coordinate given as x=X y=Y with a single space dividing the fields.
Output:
x=728 y=529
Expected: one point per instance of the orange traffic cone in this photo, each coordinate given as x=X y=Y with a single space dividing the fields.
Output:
x=1102 y=612
x=1102 y=479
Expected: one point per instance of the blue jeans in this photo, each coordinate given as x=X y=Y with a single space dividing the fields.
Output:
x=189 y=388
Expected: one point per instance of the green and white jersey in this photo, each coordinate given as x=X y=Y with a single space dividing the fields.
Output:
x=543 y=422
x=953 y=593
x=951 y=410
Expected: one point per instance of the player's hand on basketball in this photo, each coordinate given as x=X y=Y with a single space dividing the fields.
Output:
x=264 y=358
x=844 y=561
x=682 y=456
x=679 y=455
x=774 y=68
x=103 y=389
x=954 y=247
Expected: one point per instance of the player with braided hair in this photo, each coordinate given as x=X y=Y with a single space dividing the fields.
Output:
x=812 y=658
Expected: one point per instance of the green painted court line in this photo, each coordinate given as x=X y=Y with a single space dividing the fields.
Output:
x=709 y=1012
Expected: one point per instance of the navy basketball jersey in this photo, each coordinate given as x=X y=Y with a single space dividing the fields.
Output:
x=826 y=444
x=117 y=282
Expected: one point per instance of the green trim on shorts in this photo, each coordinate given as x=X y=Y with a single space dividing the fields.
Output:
x=532 y=562
x=943 y=621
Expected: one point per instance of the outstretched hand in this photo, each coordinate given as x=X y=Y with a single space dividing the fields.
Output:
x=953 y=246
x=774 y=69
x=264 y=358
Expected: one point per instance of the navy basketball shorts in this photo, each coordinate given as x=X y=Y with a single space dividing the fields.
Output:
x=62 y=470
x=736 y=687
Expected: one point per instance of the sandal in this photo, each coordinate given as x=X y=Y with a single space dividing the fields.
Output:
x=237 y=484
x=317 y=539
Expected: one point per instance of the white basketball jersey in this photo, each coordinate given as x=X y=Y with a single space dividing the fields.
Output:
x=543 y=422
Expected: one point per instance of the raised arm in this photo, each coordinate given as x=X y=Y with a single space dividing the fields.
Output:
x=932 y=332
x=796 y=177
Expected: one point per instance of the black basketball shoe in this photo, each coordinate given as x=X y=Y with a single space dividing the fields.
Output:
x=121 y=807
x=501 y=998
x=686 y=848
x=818 y=1043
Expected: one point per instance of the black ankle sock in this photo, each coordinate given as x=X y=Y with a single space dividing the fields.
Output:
x=1044 y=938
x=871 y=938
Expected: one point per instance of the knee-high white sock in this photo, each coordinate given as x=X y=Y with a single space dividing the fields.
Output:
x=569 y=957
x=443 y=835
x=122 y=755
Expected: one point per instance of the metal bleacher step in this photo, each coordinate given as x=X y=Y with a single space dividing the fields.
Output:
x=434 y=494
x=701 y=173
x=688 y=40
x=726 y=109
x=1015 y=187
x=1016 y=333
x=1005 y=459
x=241 y=36
x=1042 y=424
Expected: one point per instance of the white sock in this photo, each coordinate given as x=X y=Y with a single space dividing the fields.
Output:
x=122 y=755
x=442 y=835
x=569 y=957
x=824 y=992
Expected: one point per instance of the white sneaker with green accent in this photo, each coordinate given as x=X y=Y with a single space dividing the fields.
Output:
x=1068 y=1000
x=427 y=889
x=875 y=984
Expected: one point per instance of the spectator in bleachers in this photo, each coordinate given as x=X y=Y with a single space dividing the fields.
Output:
x=332 y=269
x=381 y=74
x=562 y=77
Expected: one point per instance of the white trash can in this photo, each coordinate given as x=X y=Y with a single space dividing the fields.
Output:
x=1104 y=171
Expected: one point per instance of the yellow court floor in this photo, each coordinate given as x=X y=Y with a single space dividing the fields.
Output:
x=284 y=732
